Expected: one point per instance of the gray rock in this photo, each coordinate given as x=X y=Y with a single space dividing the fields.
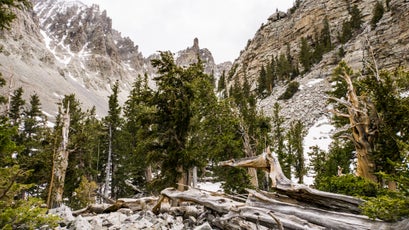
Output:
x=81 y=223
x=65 y=213
x=205 y=226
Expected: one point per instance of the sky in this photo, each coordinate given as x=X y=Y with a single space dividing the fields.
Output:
x=222 y=26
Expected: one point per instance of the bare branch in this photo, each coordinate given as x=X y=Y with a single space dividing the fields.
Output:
x=342 y=102
x=338 y=113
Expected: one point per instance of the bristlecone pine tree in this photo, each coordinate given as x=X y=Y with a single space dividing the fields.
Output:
x=363 y=121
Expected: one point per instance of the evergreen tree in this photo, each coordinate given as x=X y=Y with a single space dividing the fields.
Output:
x=284 y=68
x=224 y=142
x=295 y=138
x=326 y=165
x=278 y=141
x=262 y=82
x=305 y=55
x=16 y=106
x=325 y=39
x=7 y=14
x=386 y=91
x=173 y=101
x=36 y=154
x=346 y=32
x=114 y=172
x=138 y=114
x=222 y=82
x=356 y=18
x=271 y=75
x=377 y=13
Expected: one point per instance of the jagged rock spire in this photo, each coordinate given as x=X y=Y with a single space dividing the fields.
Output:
x=196 y=43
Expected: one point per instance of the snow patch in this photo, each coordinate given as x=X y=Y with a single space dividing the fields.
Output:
x=210 y=186
x=314 y=82
x=318 y=135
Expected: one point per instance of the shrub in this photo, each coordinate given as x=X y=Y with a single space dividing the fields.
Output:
x=85 y=193
x=349 y=185
x=377 y=14
x=26 y=214
x=292 y=88
x=387 y=208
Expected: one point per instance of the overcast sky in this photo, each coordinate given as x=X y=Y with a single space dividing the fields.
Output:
x=222 y=26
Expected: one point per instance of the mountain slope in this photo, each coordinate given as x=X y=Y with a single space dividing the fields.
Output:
x=389 y=42
x=64 y=47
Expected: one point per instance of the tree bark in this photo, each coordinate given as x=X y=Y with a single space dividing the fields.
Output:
x=108 y=168
x=249 y=153
x=60 y=164
x=364 y=122
x=298 y=192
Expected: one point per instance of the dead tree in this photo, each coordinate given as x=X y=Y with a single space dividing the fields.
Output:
x=60 y=164
x=298 y=192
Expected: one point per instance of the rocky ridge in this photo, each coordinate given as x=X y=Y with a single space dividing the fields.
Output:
x=66 y=47
x=389 y=42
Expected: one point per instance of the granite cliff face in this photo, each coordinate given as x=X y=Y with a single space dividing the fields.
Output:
x=389 y=42
x=65 y=47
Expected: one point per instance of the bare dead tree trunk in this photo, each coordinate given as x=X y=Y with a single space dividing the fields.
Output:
x=60 y=164
x=249 y=153
x=302 y=193
x=108 y=171
x=148 y=172
x=194 y=177
x=182 y=180
x=10 y=93
x=363 y=122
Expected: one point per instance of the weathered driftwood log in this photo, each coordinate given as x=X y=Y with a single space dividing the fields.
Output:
x=225 y=206
x=263 y=210
x=301 y=193
x=144 y=203
x=315 y=216
x=217 y=203
x=91 y=209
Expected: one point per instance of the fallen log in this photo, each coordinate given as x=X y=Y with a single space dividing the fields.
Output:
x=315 y=216
x=217 y=203
x=144 y=203
x=299 y=192
x=262 y=210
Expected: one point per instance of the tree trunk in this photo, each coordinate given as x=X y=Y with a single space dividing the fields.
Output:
x=108 y=169
x=148 y=172
x=249 y=153
x=364 y=121
x=181 y=183
x=301 y=193
x=60 y=164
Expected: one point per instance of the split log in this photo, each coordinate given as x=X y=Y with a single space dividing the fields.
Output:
x=299 y=192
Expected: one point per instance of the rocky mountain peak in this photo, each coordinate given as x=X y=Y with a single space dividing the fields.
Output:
x=191 y=55
x=65 y=47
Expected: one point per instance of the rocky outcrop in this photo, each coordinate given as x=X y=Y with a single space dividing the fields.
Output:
x=389 y=42
x=191 y=55
x=66 y=47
